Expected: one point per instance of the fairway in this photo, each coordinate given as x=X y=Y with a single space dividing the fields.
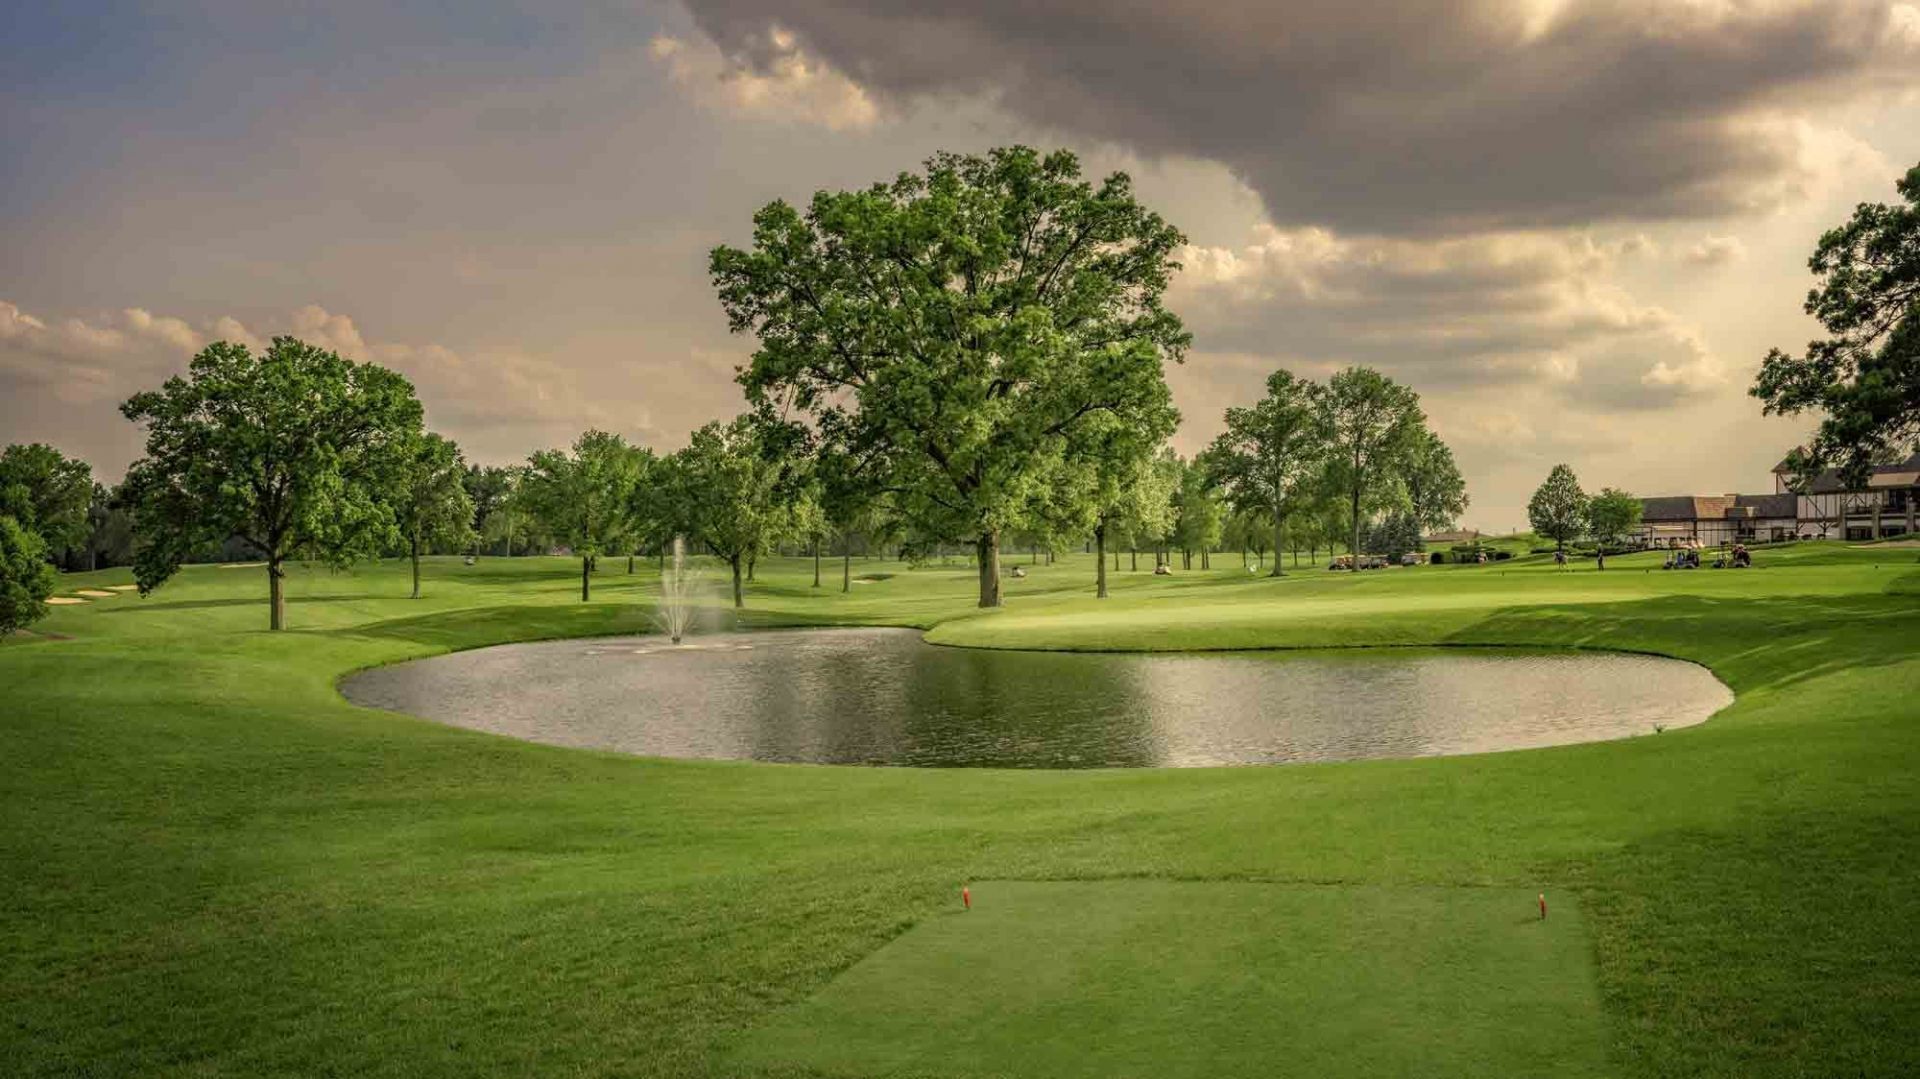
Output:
x=214 y=865
x=1227 y=980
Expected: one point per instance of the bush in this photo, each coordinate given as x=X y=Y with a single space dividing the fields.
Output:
x=1438 y=558
x=1502 y=556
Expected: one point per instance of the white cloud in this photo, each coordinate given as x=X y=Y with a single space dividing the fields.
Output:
x=785 y=84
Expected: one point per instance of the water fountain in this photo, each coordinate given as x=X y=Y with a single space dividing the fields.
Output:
x=677 y=583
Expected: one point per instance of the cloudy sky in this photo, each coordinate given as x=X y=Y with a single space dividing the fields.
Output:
x=1573 y=228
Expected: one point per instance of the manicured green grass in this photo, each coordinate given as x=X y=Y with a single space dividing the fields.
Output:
x=211 y=864
x=1212 y=980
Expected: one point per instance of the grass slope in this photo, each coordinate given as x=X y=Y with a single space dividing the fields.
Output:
x=213 y=865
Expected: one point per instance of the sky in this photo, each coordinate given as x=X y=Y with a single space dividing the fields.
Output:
x=1574 y=228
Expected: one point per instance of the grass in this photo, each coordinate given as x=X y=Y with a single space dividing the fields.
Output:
x=1209 y=979
x=211 y=864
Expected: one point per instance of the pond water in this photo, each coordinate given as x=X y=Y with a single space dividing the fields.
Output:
x=884 y=696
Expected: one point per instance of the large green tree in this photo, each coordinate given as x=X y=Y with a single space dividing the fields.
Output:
x=54 y=492
x=731 y=485
x=1436 y=492
x=1558 y=509
x=433 y=507
x=1864 y=378
x=490 y=489
x=1271 y=458
x=952 y=329
x=1612 y=516
x=1199 y=515
x=26 y=577
x=1373 y=424
x=293 y=450
x=584 y=498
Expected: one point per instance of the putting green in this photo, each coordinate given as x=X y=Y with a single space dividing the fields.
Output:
x=1210 y=979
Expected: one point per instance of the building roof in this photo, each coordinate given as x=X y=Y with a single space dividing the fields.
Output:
x=1895 y=474
x=1716 y=507
x=1784 y=505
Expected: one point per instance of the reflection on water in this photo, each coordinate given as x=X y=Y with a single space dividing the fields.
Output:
x=882 y=696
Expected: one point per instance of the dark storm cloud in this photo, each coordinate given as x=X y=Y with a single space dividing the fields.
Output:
x=1407 y=117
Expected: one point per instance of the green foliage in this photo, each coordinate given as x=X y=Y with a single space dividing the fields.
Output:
x=1376 y=425
x=433 y=509
x=1271 y=459
x=585 y=499
x=1200 y=514
x=1436 y=492
x=50 y=493
x=1865 y=378
x=1613 y=515
x=1394 y=535
x=953 y=332
x=731 y=492
x=295 y=449
x=109 y=529
x=26 y=578
x=490 y=488
x=1558 y=509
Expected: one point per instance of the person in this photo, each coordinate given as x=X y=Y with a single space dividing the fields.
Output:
x=1559 y=558
x=1600 y=557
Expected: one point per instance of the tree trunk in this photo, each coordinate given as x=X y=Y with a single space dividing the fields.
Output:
x=629 y=563
x=846 y=570
x=586 y=570
x=1279 y=541
x=739 y=599
x=277 y=601
x=987 y=548
x=1100 y=561
x=1354 y=504
x=413 y=549
x=816 y=563
x=752 y=559
x=1134 y=565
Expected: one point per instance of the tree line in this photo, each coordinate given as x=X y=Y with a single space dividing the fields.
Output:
x=973 y=354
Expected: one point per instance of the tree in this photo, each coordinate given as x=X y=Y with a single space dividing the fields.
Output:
x=1394 y=534
x=1199 y=515
x=585 y=498
x=1271 y=457
x=293 y=450
x=1373 y=423
x=489 y=488
x=1865 y=378
x=1612 y=516
x=55 y=492
x=26 y=577
x=433 y=507
x=109 y=529
x=731 y=488
x=952 y=331
x=1558 y=510
x=1436 y=492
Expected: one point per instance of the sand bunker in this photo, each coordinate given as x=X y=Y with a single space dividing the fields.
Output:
x=63 y=601
x=241 y=565
x=124 y=587
x=94 y=592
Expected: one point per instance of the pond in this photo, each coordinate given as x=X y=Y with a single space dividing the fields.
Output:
x=884 y=696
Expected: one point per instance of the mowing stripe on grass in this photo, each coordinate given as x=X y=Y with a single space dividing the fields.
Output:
x=1203 y=979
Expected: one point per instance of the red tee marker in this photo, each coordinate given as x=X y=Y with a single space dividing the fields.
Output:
x=966 y=897
x=1543 y=906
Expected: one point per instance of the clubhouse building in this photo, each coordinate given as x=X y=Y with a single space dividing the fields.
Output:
x=1824 y=509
